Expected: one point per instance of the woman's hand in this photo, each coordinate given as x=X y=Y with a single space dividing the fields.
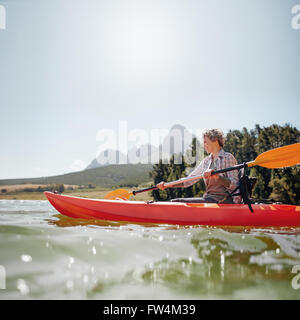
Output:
x=161 y=185
x=208 y=174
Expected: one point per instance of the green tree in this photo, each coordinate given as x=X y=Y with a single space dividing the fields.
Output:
x=278 y=184
x=60 y=188
x=159 y=173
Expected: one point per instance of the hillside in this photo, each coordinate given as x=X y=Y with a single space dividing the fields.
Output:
x=109 y=176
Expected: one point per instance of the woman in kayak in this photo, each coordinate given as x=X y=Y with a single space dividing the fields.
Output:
x=218 y=186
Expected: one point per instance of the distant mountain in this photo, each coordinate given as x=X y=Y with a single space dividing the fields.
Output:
x=108 y=176
x=177 y=140
x=106 y=158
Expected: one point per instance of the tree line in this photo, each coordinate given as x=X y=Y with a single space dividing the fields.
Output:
x=53 y=187
x=280 y=185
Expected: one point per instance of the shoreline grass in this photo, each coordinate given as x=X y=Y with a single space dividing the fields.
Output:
x=95 y=193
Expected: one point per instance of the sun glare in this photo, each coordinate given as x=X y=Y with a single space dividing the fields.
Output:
x=146 y=44
x=142 y=42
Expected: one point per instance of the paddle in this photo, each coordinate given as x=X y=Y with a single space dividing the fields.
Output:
x=281 y=157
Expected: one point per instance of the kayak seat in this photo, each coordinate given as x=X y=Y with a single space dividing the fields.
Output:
x=245 y=187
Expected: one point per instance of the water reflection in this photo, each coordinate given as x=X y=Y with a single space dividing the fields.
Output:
x=64 y=221
x=229 y=265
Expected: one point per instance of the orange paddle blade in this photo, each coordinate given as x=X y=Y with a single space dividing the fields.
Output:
x=278 y=158
x=119 y=193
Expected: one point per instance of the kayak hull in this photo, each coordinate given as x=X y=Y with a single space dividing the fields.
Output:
x=211 y=214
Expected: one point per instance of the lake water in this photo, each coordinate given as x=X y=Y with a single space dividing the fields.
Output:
x=44 y=255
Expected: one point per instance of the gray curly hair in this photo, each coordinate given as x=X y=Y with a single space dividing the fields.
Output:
x=214 y=134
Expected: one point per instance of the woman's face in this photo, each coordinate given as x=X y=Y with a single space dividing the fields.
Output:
x=209 y=145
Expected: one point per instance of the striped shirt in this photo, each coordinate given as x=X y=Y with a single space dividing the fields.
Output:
x=224 y=160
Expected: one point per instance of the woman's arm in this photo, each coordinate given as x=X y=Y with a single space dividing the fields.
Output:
x=232 y=176
x=162 y=185
x=196 y=172
x=208 y=174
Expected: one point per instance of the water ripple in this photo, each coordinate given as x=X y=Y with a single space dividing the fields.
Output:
x=48 y=256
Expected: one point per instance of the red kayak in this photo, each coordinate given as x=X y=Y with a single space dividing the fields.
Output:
x=264 y=215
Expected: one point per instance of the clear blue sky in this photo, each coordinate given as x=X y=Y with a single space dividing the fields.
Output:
x=69 y=68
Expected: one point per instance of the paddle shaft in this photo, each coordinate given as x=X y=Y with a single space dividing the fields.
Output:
x=170 y=184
